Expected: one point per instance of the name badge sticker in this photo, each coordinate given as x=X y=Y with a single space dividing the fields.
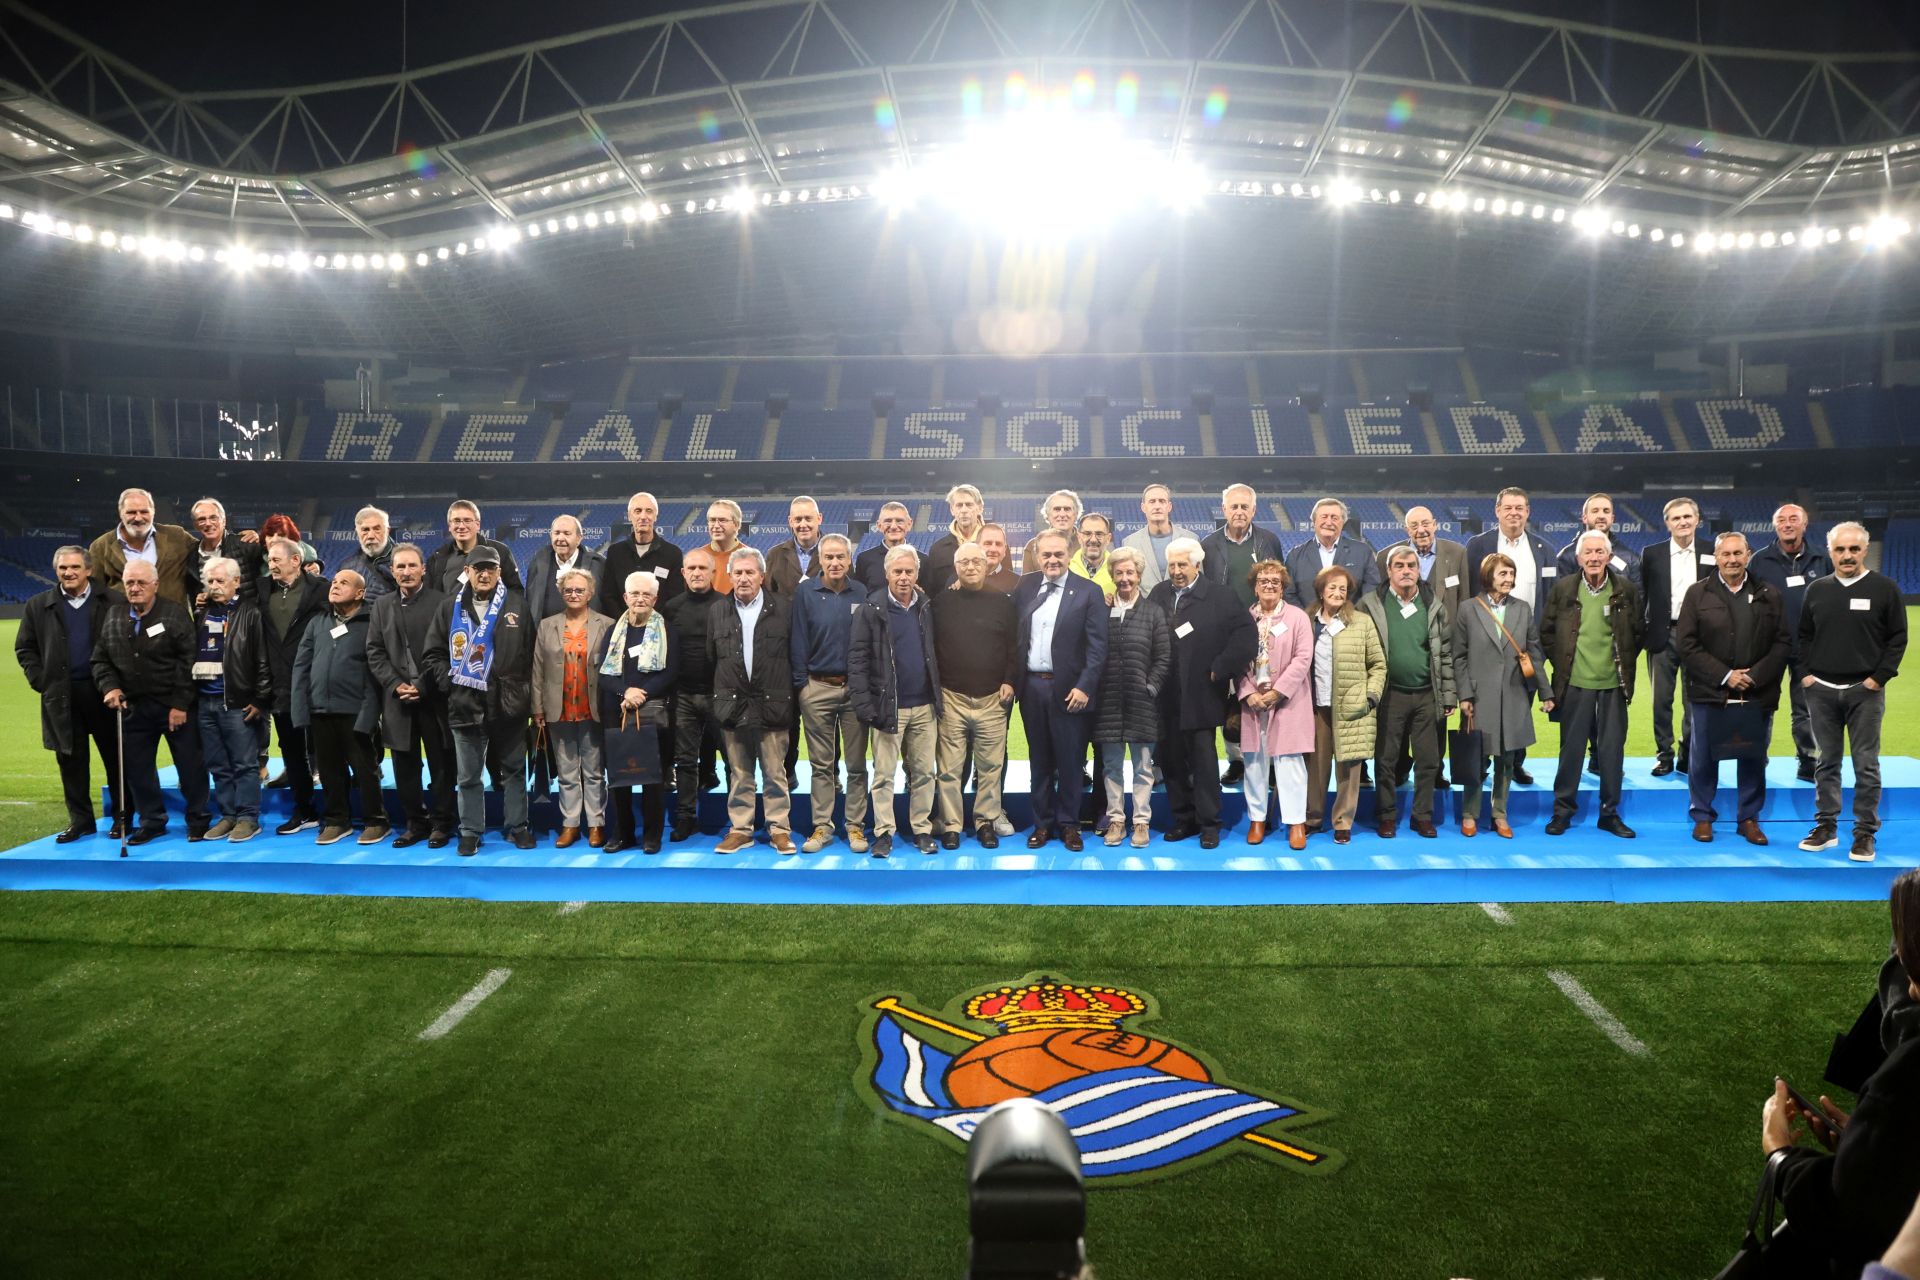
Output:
x=660 y=571
x=1116 y=612
x=1858 y=606
x=1407 y=609
x=1453 y=580
x=1184 y=630
x=633 y=650
x=1796 y=579
x=1550 y=571
x=339 y=629
x=160 y=628
x=1707 y=560
x=217 y=626
x=462 y=579
x=1335 y=627
x=1620 y=566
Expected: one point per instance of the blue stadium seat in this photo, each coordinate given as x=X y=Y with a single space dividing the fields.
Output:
x=808 y=433
x=701 y=433
x=500 y=435
x=383 y=436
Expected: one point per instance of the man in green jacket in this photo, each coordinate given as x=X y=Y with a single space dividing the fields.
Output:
x=1591 y=631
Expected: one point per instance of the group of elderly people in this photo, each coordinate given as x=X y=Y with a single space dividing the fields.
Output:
x=629 y=668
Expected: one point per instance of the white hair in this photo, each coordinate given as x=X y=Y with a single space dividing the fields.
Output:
x=1601 y=534
x=904 y=551
x=1188 y=547
x=224 y=564
x=578 y=531
x=215 y=503
x=1129 y=555
x=1229 y=489
x=637 y=579
x=967 y=489
x=1330 y=502
x=746 y=553
x=840 y=538
x=1069 y=495
x=121 y=505
x=1851 y=526
x=363 y=513
x=1731 y=533
x=577 y=572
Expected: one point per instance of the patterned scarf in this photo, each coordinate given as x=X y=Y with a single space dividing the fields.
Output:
x=650 y=651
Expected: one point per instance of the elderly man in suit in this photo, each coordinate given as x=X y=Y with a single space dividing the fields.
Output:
x=1062 y=644
x=1732 y=636
x=167 y=547
x=564 y=551
x=1156 y=504
x=55 y=649
x=749 y=643
x=1536 y=567
x=413 y=718
x=799 y=556
x=1328 y=546
x=1214 y=641
x=1669 y=569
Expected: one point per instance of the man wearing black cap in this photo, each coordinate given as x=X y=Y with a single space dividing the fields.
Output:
x=480 y=656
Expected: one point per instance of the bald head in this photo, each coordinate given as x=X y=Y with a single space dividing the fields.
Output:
x=1421 y=529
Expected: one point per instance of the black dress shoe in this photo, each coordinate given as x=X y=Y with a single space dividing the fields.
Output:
x=926 y=844
x=1037 y=838
x=1071 y=839
x=469 y=846
x=882 y=846
x=650 y=842
x=408 y=838
x=681 y=831
x=1613 y=826
x=75 y=832
x=1180 y=831
x=615 y=844
x=145 y=834
x=117 y=830
x=950 y=840
x=1558 y=827
x=1662 y=767
x=1521 y=776
x=1235 y=774
x=1210 y=838
x=987 y=837
x=439 y=839
x=525 y=839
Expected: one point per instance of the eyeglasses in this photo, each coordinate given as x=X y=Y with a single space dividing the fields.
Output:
x=573 y=591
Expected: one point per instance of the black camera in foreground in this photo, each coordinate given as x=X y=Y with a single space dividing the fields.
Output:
x=1026 y=1202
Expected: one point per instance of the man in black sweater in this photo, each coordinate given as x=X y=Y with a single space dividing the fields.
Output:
x=643 y=551
x=975 y=635
x=695 y=739
x=1853 y=633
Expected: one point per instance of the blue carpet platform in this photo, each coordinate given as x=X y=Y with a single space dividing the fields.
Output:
x=1663 y=864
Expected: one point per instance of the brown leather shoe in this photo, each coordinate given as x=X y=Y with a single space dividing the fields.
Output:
x=1469 y=828
x=567 y=836
x=1256 y=832
x=1385 y=831
x=783 y=842
x=1341 y=835
x=1425 y=828
x=1703 y=832
x=1751 y=830
x=1501 y=829
x=735 y=842
x=596 y=837
x=1297 y=835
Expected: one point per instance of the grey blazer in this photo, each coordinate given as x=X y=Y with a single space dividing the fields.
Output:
x=550 y=663
x=1486 y=671
x=1449 y=561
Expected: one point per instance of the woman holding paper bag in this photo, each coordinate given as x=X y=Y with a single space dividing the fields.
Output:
x=1276 y=709
x=637 y=663
x=566 y=707
x=1497 y=667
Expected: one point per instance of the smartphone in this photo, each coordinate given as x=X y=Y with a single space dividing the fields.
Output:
x=1816 y=1118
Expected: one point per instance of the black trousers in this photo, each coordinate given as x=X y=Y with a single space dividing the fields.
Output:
x=1668 y=676
x=1190 y=767
x=146 y=725
x=692 y=726
x=1599 y=716
x=293 y=759
x=1406 y=720
x=432 y=739
x=88 y=717
x=340 y=750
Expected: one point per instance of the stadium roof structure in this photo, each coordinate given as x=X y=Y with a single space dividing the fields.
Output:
x=1497 y=124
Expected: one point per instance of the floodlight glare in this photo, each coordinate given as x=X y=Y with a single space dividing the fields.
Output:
x=1767 y=239
x=649 y=211
x=298 y=261
x=197 y=254
x=420 y=259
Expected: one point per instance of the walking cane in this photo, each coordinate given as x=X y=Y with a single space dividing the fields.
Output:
x=120 y=792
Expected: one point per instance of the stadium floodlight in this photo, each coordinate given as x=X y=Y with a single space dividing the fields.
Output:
x=358 y=261
x=649 y=211
x=1768 y=239
x=1657 y=235
x=1728 y=240
x=743 y=201
x=785 y=196
x=1833 y=235
x=1679 y=240
x=298 y=260
x=1788 y=237
x=1744 y=240
x=109 y=238
x=83 y=233
x=378 y=262
x=592 y=220
x=1856 y=233
x=1500 y=205
x=1479 y=204
x=396 y=262
x=421 y=259
x=553 y=225
x=573 y=222
x=6 y=212
x=443 y=253
x=533 y=231
x=1884 y=230
x=196 y=254
x=1704 y=243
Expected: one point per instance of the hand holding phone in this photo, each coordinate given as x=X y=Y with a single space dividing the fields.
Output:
x=1823 y=1125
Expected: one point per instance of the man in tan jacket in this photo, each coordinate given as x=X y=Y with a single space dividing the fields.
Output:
x=167 y=547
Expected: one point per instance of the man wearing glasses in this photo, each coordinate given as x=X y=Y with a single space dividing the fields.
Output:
x=1853 y=633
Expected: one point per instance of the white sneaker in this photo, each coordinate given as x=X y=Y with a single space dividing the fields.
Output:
x=1002 y=826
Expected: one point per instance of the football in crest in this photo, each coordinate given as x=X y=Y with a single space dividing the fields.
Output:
x=1052 y=1033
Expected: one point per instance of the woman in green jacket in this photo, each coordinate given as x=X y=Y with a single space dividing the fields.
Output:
x=1349 y=675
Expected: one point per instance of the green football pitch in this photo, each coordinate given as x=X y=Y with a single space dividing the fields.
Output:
x=227 y=1084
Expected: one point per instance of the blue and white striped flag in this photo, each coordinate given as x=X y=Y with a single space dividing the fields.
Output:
x=1128 y=1120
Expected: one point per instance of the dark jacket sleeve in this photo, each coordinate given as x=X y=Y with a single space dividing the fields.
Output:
x=1159 y=647
x=1702 y=666
x=1851 y=1203
x=436 y=663
x=509 y=571
x=1770 y=666
x=26 y=647
x=1896 y=641
x=1371 y=579
x=798 y=643
x=303 y=678
x=1096 y=663
x=380 y=667
x=179 y=658
x=863 y=675
x=1241 y=647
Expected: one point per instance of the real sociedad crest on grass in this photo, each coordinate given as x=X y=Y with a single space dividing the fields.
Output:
x=1140 y=1107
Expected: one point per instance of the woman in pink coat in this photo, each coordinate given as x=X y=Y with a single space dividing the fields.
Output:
x=1276 y=707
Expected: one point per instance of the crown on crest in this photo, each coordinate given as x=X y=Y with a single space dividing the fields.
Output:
x=1054 y=1004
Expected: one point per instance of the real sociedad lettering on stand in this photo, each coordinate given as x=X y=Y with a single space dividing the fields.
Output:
x=1276 y=428
x=1139 y=1107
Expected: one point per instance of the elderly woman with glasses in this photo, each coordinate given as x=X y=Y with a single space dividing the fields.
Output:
x=1276 y=706
x=566 y=705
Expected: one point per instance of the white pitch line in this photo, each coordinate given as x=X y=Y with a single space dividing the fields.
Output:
x=467 y=1003
x=568 y=908
x=1496 y=913
x=1597 y=1012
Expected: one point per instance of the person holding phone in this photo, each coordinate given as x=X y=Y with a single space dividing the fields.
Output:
x=1845 y=1205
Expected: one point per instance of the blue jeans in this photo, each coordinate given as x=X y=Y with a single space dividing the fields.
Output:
x=501 y=748
x=231 y=748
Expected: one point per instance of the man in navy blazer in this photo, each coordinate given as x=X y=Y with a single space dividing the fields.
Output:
x=1669 y=568
x=1063 y=649
x=1329 y=546
x=1596 y=515
x=1536 y=566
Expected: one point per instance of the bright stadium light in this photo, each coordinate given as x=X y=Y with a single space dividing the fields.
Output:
x=649 y=211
